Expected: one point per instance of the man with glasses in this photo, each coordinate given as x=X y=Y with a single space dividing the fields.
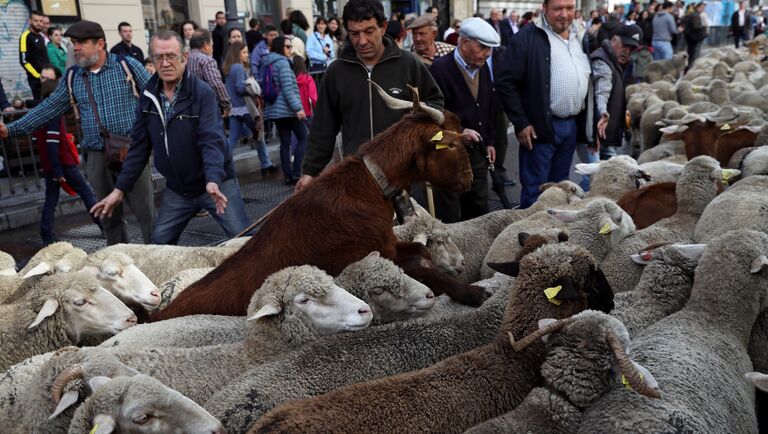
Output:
x=348 y=103
x=179 y=120
x=465 y=80
x=116 y=104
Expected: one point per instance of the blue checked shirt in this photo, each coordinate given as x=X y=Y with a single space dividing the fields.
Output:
x=168 y=105
x=114 y=99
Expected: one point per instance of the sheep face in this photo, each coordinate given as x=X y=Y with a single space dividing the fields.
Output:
x=445 y=253
x=685 y=256
x=308 y=298
x=410 y=299
x=93 y=311
x=121 y=277
x=141 y=404
x=610 y=220
x=621 y=172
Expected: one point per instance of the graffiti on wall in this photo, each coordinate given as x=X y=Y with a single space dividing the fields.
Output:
x=13 y=20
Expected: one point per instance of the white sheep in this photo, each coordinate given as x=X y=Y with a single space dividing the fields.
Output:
x=662 y=151
x=58 y=311
x=662 y=171
x=7 y=264
x=293 y=307
x=119 y=275
x=612 y=178
x=60 y=257
x=742 y=206
x=698 y=354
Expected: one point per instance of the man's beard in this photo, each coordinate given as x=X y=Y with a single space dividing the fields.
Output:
x=87 y=62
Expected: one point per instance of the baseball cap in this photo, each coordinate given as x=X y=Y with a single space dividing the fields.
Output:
x=630 y=34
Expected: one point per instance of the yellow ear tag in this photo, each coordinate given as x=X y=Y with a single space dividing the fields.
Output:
x=696 y=88
x=606 y=229
x=727 y=174
x=437 y=137
x=94 y=429
x=440 y=146
x=726 y=127
x=551 y=293
x=625 y=382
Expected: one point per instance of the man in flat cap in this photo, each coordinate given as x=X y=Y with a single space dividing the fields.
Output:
x=543 y=85
x=115 y=86
x=608 y=63
x=465 y=80
x=424 y=32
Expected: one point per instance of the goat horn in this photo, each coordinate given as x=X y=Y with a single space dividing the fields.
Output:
x=63 y=350
x=72 y=373
x=538 y=334
x=437 y=116
x=628 y=369
x=390 y=101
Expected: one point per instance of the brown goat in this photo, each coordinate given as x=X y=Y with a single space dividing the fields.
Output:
x=650 y=203
x=341 y=217
x=468 y=388
x=709 y=138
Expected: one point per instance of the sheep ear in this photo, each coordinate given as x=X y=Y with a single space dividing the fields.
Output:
x=692 y=251
x=421 y=239
x=587 y=168
x=110 y=270
x=522 y=237
x=374 y=254
x=565 y=216
x=39 y=269
x=759 y=379
x=103 y=424
x=643 y=258
x=725 y=175
x=97 y=382
x=648 y=378
x=509 y=268
x=67 y=400
x=48 y=309
x=268 y=309
x=606 y=226
x=759 y=263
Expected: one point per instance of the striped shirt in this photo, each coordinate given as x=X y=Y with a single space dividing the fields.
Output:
x=569 y=72
x=114 y=98
x=602 y=78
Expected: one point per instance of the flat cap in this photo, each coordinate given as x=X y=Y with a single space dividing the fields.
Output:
x=423 y=20
x=479 y=30
x=630 y=35
x=85 y=30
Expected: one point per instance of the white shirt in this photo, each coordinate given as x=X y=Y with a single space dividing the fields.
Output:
x=569 y=73
x=741 y=18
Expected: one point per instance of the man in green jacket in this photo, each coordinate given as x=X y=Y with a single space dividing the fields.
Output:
x=348 y=102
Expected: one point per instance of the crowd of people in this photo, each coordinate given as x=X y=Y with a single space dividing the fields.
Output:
x=534 y=70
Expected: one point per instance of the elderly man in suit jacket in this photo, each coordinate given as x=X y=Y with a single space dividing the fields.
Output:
x=465 y=80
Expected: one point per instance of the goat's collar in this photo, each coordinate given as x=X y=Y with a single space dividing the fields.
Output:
x=387 y=189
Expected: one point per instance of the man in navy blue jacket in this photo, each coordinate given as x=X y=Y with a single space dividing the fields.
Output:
x=465 y=80
x=178 y=118
x=543 y=85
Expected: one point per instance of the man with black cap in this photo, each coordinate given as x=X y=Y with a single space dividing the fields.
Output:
x=608 y=79
x=465 y=80
x=115 y=87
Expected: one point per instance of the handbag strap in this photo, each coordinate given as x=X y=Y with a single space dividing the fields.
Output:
x=102 y=131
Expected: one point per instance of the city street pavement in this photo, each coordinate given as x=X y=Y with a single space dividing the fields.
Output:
x=260 y=196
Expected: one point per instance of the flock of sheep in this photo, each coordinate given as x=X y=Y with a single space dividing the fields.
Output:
x=593 y=323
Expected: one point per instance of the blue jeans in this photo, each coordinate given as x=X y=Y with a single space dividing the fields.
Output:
x=286 y=126
x=242 y=126
x=547 y=162
x=662 y=50
x=586 y=155
x=177 y=210
x=78 y=183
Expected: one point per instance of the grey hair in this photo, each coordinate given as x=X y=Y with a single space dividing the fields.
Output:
x=167 y=35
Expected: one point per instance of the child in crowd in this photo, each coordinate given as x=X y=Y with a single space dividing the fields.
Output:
x=59 y=159
x=149 y=65
x=307 y=87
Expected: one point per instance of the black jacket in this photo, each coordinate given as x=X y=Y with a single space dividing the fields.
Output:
x=524 y=81
x=747 y=21
x=616 y=105
x=478 y=115
x=347 y=102
x=4 y=103
x=121 y=49
x=219 y=36
x=189 y=147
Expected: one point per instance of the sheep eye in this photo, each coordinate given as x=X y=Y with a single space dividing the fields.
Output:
x=79 y=302
x=376 y=291
x=141 y=419
x=440 y=243
x=304 y=301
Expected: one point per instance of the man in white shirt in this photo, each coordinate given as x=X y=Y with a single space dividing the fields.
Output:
x=741 y=24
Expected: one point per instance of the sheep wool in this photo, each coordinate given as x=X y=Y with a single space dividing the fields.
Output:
x=742 y=206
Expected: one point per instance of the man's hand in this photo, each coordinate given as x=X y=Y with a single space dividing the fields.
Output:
x=304 y=181
x=221 y=200
x=301 y=115
x=491 y=154
x=602 y=124
x=3 y=131
x=471 y=135
x=107 y=206
x=526 y=137
x=225 y=113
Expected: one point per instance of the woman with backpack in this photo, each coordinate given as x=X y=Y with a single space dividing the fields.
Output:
x=283 y=105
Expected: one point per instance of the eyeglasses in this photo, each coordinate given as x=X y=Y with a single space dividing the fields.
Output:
x=160 y=58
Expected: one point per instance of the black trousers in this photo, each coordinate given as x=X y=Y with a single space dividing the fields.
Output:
x=34 y=84
x=452 y=207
